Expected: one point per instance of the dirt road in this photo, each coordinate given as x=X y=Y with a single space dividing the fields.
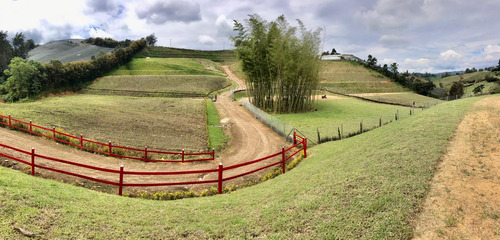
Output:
x=464 y=200
x=249 y=140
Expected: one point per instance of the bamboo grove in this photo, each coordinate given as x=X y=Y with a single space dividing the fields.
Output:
x=281 y=63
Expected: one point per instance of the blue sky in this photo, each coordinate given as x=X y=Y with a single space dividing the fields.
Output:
x=420 y=35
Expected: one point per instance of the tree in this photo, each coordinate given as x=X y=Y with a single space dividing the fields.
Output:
x=394 y=71
x=151 y=40
x=5 y=54
x=334 y=51
x=19 y=45
x=25 y=78
x=457 y=89
x=281 y=63
x=371 y=61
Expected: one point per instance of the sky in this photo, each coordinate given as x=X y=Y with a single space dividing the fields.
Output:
x=420 y=35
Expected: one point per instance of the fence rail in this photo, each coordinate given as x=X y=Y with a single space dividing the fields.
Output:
x=103 y=148
x=300 y=144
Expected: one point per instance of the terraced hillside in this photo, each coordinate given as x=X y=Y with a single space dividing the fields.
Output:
x=222 y=56
x=71 y=50
x=471 y=81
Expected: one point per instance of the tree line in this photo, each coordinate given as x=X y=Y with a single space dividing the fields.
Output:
x=19 y=48
x=28 y=78
x=418 y=85
x=281 y=63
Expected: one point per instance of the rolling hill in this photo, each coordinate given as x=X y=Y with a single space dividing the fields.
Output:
x=71 y=50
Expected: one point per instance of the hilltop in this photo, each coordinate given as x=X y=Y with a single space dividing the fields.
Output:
x=70 y=50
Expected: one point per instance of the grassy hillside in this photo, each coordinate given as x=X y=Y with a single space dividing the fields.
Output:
x=403 y=98
x=471 y=81
x=366 y=187
x=161 y=123
x=168 y=66
x=66 y=51
x=222 y=56
x=352 y=77
x=166 y=86
x=331 y=113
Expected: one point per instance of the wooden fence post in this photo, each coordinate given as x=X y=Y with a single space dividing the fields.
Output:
x=213 y=153
x=31 y=127
x=305 y=147
x=341 y=131
x=120 y=190
x=10 y=121
x=81 y=141
x=283 y=159
x=183 y=155
x=380 y=121
x=319 y=136
x=32 y=161
x=110 y=149
x=294 y=138
x=146 y=153
x=361 y=126
x=219 y=186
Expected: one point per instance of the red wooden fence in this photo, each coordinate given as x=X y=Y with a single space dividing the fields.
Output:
x=53 y=134
x=300 y=143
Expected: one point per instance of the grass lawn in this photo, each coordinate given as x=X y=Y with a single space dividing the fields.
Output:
x=367 y=187
x=331 y=113
x=216 y=137
x=167 y=85
x=159 y=123
x=168 y=66
x=222 y=56
x=352 y=77
x=406 y=98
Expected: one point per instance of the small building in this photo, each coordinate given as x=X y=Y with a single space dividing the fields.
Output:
x=351 y=57
x=335 y=57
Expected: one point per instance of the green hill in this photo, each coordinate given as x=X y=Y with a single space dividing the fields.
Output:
x=367 y=187
x=66 y=51
x=471 y=81
x=222 y=56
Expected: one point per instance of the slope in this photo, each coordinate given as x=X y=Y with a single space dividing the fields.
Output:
x=71 y=50
x=369 y=186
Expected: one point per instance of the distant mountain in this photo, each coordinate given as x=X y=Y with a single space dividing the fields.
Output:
x=71 y=50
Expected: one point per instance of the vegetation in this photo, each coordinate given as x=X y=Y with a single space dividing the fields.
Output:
x=457 y=89
x=349 y=112
x=168 y=66
x=341 y=191
x=159 y=123
x=151 y=40
x=54 y=75
x=216 y=137
x=472 y=81
x=107 y=42
x=405 y=98
x=222 y=56
x=19 y=48
x=281 y=63
x=165 y=86
x=351 y=77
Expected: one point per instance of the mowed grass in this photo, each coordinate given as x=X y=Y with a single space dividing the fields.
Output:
x=367 y=187
x=159 y=123
x=167 y=85
x=351 y=77
x=168 y=66
x=216 y=137
x=405 y=98
x=349 y=112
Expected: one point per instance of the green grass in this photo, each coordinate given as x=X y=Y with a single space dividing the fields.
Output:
x=470 y=80
x=352 y=77
x=66 y=51
x=406 y=98
x=367 y=187
x=182 y=85
x=216 y=137
x=222 y=56
x=168 y=66
x=159 y=123
x=331 y=113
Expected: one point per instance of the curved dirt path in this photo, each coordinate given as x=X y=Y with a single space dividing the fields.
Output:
x=464 y=199
x=249 y=140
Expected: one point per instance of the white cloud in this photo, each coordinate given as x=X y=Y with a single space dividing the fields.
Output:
x=97 y=32
x=449 y=55
x=206 y=40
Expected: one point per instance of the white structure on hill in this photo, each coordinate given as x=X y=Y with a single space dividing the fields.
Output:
x=338 y=57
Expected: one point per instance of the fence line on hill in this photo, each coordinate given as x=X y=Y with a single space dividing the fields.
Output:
x=109 y=149
x=283 y=155
x=281 y=128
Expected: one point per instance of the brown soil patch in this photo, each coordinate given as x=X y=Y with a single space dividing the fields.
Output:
x=464 y=199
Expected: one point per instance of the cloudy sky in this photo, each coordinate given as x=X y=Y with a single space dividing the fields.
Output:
x=420 y=35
